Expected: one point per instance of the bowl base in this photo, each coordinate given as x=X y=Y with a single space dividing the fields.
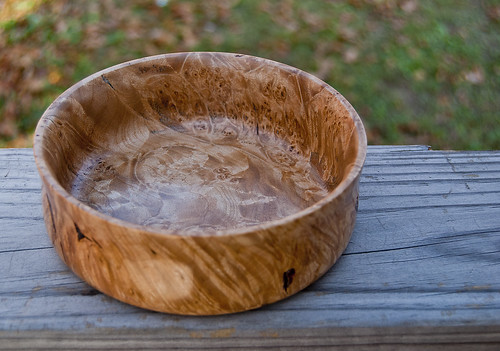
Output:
x=199 y=176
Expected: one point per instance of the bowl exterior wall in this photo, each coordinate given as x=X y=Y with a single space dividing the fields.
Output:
x=200 y=275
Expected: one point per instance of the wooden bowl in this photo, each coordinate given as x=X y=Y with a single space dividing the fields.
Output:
x=200 y=183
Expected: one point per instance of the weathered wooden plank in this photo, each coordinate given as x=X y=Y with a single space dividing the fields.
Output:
x=305 y=310
x=425 y=157
x=320 y=338
x=433 y=270
x=374 y=190
x=375 y=196
x=425 y=252
x=373 y=149
x=389 y=153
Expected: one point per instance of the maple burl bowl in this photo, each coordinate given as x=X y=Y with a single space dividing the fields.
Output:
x=200 y=183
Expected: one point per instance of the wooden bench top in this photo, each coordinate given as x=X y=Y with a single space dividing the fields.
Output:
x=422 y=267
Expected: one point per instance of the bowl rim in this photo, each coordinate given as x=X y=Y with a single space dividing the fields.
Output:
x=351 y=177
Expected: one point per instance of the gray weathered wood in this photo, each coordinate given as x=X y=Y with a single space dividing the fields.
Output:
x=422 y=267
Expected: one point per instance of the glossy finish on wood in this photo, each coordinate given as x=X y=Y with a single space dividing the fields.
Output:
x=200 y=183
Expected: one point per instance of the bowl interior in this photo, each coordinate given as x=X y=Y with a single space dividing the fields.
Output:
x=200 y=142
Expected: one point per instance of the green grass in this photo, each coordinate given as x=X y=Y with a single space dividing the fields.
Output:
x=416 y=71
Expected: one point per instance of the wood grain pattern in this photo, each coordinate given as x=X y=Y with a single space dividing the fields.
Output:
x=200 y=183
x=210 y=176
x=229 y=339
x=421 y=270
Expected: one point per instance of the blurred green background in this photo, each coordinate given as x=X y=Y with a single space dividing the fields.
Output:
x=418 y=72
